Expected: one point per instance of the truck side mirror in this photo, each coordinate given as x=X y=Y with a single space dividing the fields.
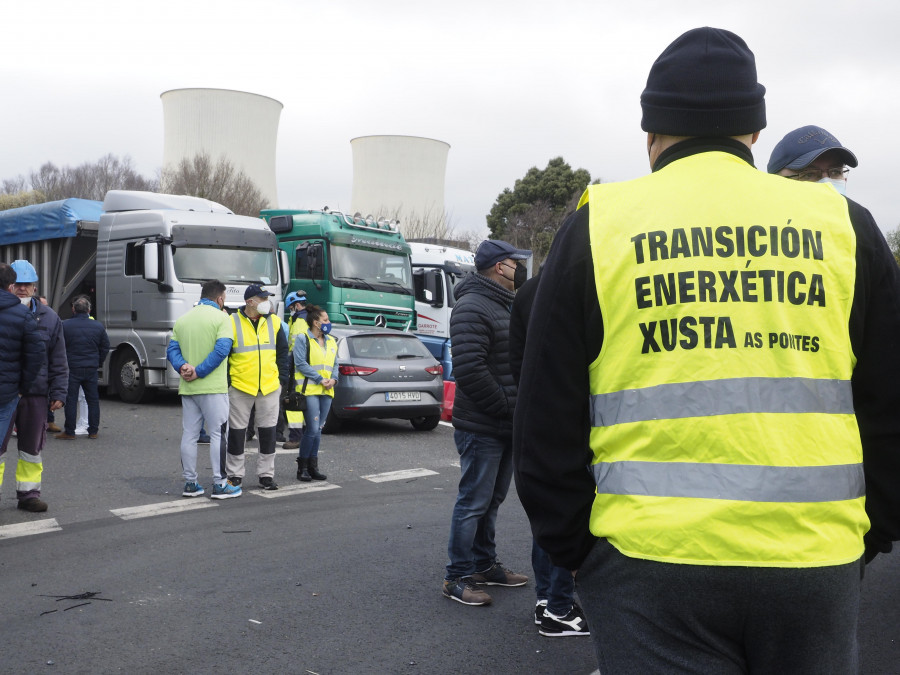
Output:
x=434 y=285
x=152 y=267
x=284 y=266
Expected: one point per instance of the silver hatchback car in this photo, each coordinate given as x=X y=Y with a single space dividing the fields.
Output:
x=385 y=374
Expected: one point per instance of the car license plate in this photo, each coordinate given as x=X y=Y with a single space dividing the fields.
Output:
x=402 y=396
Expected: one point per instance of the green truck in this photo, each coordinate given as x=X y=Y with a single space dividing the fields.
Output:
x=357 y=269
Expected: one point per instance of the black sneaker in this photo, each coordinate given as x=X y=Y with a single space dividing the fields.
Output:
x=498 y=575
x=569 y=625
x=539 y=610
x=268 y=483
x=464 y=591
x=234 y=480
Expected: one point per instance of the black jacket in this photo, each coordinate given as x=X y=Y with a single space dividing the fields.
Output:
x=53 y=379
x=22 y=354
x=479 y=331
x=550 y=457
x=87 y=343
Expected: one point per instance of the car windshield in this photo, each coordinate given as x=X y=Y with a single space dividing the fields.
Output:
x=228 y=265
x=387 y=347
x=372 y=270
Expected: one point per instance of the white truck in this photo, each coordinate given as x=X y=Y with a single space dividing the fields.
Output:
x=436 y=271
x=142 y=257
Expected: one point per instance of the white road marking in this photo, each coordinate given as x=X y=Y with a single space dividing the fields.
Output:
x=399 y=475
x=285 y=491
x=446 y=424
x=148 y=510
x=25 y=529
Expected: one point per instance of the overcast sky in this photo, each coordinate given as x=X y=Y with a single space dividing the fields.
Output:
x=509 y=85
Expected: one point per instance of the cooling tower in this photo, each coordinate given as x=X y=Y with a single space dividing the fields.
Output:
x=220 y=122
x=399 y=177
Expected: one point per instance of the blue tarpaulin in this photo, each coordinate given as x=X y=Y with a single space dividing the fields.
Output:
x=51 y=220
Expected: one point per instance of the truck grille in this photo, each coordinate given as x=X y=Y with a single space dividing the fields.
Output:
x=365 y=316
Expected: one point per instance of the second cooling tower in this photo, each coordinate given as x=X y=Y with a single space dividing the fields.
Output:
x=399 y=177
x=240 y=126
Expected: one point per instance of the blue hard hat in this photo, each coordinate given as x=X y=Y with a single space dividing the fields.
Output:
x=293 y=297
x=25 y=272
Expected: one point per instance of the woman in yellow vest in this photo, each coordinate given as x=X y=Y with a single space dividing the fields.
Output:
x=314 y=359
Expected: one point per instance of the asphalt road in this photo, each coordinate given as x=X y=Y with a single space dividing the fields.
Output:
x=342 y=577
x=339 y=580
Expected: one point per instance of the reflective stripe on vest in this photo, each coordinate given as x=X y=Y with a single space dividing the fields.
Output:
x=722 y=397
x=738 y=482
x=723 y=430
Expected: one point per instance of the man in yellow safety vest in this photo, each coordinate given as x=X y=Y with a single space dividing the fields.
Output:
x=717 y=346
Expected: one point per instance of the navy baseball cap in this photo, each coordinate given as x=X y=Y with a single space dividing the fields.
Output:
x=801 y=146
x=492 y=251
x=254 y=290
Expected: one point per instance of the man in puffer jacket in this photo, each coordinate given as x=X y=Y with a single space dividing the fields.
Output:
x=50 y=387
x=21 y=352
x=482 y=417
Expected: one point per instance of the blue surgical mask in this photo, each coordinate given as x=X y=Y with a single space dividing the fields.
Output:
x=326 y=328
x=839 y=185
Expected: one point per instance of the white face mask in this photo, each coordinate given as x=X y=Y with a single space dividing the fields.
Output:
x=264 y=307
x=25 y=301
x=839 y=185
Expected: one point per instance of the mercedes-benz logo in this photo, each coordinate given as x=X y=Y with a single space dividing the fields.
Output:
x=380 y=321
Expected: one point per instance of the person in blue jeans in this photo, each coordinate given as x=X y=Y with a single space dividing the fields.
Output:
x=87 y=345
x=482 y=418
x=315 y=353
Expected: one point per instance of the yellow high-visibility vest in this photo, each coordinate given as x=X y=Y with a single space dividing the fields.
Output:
x=723 y=430
x=296 y=327
x=253 y=366
x=322 y=361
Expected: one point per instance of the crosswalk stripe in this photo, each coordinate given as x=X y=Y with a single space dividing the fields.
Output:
x=25 y=529
x=399 y=475
x=148 y=510
x=285 y=491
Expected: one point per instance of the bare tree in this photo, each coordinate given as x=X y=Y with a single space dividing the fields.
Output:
x=434 y=228
x=219 y=181
x=13 y=186
x=89 y=180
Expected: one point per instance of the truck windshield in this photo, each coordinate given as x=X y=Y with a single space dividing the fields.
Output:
x=228 y=265
x=374 y=270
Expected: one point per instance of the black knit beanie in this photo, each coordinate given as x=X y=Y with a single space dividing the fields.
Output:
x=704 y=84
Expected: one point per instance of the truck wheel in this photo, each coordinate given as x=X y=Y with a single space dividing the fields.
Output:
x=426 y=423
x=129 y=377
x=333 y=423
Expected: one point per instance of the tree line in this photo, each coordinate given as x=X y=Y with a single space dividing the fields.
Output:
x=528 y=215
x=218 y=180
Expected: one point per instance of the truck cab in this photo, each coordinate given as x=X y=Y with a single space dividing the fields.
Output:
x=436 y=271
x=355 y=268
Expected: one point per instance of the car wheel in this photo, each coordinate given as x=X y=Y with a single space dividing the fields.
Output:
x=333 y=423
x=426 y=423
x=129 y=376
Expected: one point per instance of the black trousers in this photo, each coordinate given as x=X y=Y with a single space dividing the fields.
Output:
x=651 y=617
